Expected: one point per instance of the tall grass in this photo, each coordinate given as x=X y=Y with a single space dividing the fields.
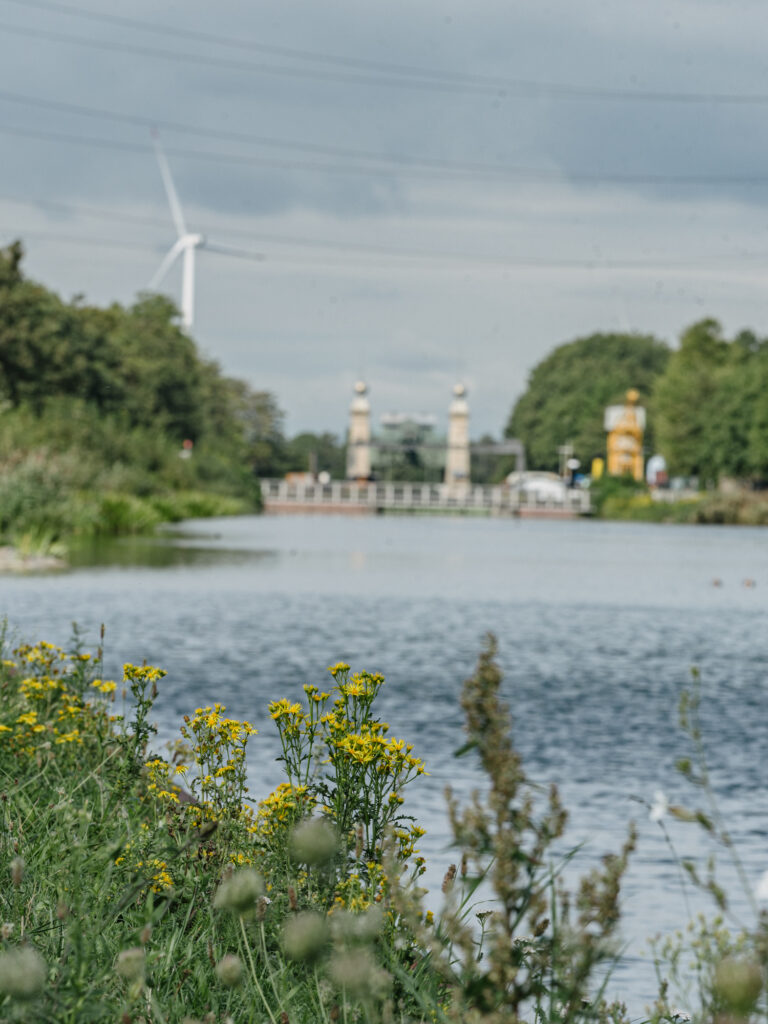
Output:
x=68 y=471
x=148 y=887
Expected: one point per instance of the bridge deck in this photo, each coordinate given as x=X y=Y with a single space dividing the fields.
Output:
x=285 y=496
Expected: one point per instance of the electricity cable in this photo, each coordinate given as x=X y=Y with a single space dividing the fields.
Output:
x=432 y=81
x=529 y=174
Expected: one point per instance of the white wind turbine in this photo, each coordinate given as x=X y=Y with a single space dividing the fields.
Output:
x=185 y=244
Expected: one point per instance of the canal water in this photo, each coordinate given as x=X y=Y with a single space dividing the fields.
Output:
x=599 y=625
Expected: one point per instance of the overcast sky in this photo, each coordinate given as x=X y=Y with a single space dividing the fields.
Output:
x=440 y=190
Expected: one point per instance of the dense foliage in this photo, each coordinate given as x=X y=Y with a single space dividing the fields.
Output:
x=97 y=405
x=568 y=391
x=709 y=405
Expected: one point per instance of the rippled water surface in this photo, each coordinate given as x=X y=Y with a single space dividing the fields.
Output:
x=598 y=626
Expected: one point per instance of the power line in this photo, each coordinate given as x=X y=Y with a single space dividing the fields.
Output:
x=281 y=71
x=247 y=137
x=315 y=56
x=544 y=175
x=352 y=249
x=52 y=236
x=380 y=74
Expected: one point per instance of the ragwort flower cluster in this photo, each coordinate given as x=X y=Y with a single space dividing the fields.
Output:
x=339 y=758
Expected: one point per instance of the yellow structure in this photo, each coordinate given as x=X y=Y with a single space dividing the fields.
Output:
x=625 y=425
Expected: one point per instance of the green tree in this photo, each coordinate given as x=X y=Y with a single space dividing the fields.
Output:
x=117 y=390
x=323 y=452
x=568 y=391
x=706 y=404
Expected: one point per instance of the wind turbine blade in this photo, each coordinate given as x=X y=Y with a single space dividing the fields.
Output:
x=165 y=266
x=170 y=188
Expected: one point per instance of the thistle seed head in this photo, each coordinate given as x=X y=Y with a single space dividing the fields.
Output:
x=22 y=973
x=240 y=891
x=130 y=964
x=17 y=871
x=359 y=975
x=313 y=843
x=738 y=983
x=305 y=936
x=229 y=970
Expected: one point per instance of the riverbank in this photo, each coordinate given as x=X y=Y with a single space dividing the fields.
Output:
x=131 y=898
x=41 y=539
x=149 y=887
x=707 y=508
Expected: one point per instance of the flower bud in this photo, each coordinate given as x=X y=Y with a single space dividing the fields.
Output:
x=305 y=936
x=22 y=973
x=313 y=843
x=229 y=970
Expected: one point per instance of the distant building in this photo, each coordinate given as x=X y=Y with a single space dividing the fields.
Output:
x=625 y=425
x=359 y=436
x=408 y=446
x=457 y=455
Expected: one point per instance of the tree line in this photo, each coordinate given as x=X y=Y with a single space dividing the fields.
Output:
x=706 y=400
x=132 y=373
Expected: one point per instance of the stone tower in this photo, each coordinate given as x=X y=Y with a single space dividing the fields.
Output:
x=457 y=455
x=359 y=436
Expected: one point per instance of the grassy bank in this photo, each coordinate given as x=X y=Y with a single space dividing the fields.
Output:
x=625 y=500
x=68 y=472
x=140 y=887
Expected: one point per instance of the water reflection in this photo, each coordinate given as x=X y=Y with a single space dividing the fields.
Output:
x=170 y=549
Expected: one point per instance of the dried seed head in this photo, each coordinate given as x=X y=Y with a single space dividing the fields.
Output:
x=240 y=892
x=229 y=970
x=448 y=878
x=305 y=936
x=313 y=843
x=6 y=931
x=17 y=871
x=22 y=973
x=738 y=983
x=353 y=928
x=146 y=934
x=292 y=901
x=130 y=964
x=359 y=975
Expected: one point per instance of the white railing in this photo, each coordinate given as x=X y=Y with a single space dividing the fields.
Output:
x=380 y=496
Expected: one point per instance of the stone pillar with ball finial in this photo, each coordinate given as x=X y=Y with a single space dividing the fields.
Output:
x=359 y=436
x=457 y=455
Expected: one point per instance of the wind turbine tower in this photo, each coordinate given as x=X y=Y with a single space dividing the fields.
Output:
x=184 y=246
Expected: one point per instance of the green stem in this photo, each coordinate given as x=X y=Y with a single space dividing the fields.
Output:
x=253 y=972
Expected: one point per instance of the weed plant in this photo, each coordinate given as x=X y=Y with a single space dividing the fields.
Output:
x=139 y=887
x=716 y=968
